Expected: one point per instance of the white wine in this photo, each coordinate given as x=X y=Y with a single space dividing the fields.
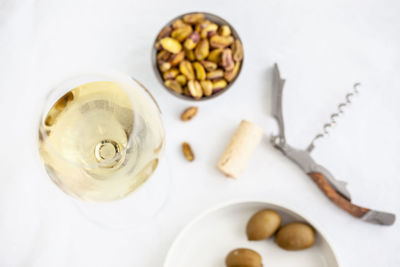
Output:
x=101 y=140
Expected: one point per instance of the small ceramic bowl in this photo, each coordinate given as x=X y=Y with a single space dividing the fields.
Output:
x=213 y=18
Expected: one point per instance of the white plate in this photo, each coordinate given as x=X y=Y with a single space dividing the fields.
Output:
x=210 y=237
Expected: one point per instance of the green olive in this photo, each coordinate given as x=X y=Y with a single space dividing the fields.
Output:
x=263 y=224
x=295 y=236
x=243 y=257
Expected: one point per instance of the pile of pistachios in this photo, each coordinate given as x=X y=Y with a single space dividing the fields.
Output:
x=198 y=57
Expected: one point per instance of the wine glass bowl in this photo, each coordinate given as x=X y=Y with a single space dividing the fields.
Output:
x=100 y=136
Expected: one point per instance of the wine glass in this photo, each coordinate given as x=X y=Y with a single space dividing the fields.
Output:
x=101 y=138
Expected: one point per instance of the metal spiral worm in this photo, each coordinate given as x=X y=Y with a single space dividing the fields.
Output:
x=334 y=116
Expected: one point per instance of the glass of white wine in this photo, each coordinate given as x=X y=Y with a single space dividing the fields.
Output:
x=101 y=138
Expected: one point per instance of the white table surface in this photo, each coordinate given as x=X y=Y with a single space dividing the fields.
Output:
x=323 y=47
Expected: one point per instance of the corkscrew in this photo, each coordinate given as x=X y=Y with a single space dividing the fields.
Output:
x=334 y=116
x=334 y=189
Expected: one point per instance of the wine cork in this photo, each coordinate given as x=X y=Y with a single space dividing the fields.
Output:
x=240 y=148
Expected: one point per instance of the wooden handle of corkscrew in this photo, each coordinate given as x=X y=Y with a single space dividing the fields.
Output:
x=335 y=197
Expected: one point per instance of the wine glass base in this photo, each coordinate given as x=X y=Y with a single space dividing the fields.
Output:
x=135 y=210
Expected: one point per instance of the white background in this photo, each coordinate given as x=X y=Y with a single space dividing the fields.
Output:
x=323 y=47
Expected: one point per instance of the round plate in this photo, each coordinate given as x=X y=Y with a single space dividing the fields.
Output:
x=210 y=237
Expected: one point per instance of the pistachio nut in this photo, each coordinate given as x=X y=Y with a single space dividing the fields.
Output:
x=224 y=30
x=171 y=45
x=158 y=46
x=173 y=85
x=186 y=69
x=200 y=71
x=182 y=33
x=189 y=113
x=227 y=60
x=163 y=56
x=164 y=66
x=193 y=18
x=170 y=74
x=218 y=41
x=190 y=55
x=237 y=51
x=209 y=65
x=195 y=89
x=177 y=24
x=231 y=75
x=215 y=91
x=202 y=50
x=215 y=74
x=207 y=87
x=166 y=32
x=187 y=151
x=181 y=79
x=212 y=27
x=219 y=84
x=192 y=41
x=201 y=25
x=186 y=92
x=175 y=59
x=211 y=34
x=215 y=55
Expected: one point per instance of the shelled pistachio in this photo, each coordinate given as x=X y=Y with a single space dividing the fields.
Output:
x=187 y=151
